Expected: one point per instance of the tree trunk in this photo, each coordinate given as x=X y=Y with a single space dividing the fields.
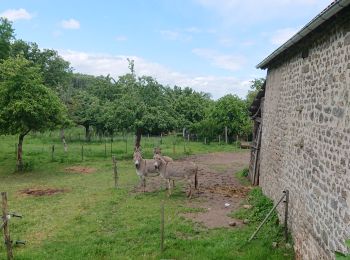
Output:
x=87 y=133
x=20 y=152
x=138 y=139
x=63 y=138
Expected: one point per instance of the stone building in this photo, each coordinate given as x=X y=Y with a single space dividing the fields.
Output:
x=304 y=145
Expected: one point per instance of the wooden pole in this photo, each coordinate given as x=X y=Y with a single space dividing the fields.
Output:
x=6 y=228
x=52 y=152
x=162 y=227
x=161 y=138
x=266 y=218
x=126 y=143
x=205 y=140
x=115 y=170
x=105 y=148
x=111 y=145
x=82 y=152
x=286 y=202
x=226 y=139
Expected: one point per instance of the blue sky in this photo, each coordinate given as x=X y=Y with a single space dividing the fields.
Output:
x=209 y=45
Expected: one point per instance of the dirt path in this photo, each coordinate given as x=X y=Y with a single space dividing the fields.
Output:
x=217 y=186
x=219 y=190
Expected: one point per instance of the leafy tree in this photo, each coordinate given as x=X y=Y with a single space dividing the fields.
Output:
x=190 y=105
x=26 y=104
x=6 y=36
x=56 y=71
x=85 y=110
x=256 y=86
x=231 y=111
x=143 y=106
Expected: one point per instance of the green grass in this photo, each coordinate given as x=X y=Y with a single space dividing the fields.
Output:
x=92 y=220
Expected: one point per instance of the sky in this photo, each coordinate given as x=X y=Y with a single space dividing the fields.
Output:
x=210 y=45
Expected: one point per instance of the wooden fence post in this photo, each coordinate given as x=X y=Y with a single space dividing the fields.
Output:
x=111 y=146
x=286 y=202
x=205 y=140
x=115 y=170
x=162 y=227
x=226 y=139
x=126 y=144
x=219 y=139
x=6 y=228
x=82 y=152
x=105 y=148
x=52 y=152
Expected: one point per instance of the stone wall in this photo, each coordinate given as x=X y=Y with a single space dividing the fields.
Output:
x=306 y=140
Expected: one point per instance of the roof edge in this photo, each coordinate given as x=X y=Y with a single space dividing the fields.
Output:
x=327 y=13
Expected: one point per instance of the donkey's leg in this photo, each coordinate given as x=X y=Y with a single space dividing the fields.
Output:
x=190 y=192
x=144 y=184
x=169 y=187
x=173 y=184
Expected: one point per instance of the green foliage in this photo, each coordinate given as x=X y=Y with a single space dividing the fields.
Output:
x=25 y=103
x=231 y=111
x=255 y=87
x=341 y=256
x=55 y=70
x=261 y=207
x=6 y=36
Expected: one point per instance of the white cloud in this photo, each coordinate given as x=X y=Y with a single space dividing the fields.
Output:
x=117 y=65
x=224 y=61
x=121 y=38
x=70 y=24
x=16 y=14
x=281 y=36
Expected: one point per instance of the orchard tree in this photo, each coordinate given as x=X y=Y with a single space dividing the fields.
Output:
x=255 y=86
x=85 y=110
x=6 y=36
x=143 y=107
x=231 y=111
x=26 y=104
x=55 y=70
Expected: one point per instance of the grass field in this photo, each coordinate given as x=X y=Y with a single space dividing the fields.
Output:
x=93 y=220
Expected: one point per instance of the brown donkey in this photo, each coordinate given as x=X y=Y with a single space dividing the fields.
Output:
x=177 y=170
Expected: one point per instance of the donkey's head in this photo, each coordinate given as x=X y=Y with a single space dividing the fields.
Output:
x=137 y=157
x=158 y=161
x=157 y=150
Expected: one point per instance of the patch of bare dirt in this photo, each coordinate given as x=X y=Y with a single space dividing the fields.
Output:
x=219 y=191
x=80 y=169
x=41 y=192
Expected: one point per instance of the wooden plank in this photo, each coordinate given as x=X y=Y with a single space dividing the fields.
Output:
x=6 y=228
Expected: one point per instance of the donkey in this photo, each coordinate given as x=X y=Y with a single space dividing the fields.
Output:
x=158 y=150
x=144 y=168
x=177 y=170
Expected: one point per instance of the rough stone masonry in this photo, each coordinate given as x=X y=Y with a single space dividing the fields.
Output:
x=306 y=139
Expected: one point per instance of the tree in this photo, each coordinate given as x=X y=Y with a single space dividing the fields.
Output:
x=55 y=70
x=231 y=111
x=26 y=104
x=6 y=35
x=256 y=86
x=85 y=110
x=143 y=106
